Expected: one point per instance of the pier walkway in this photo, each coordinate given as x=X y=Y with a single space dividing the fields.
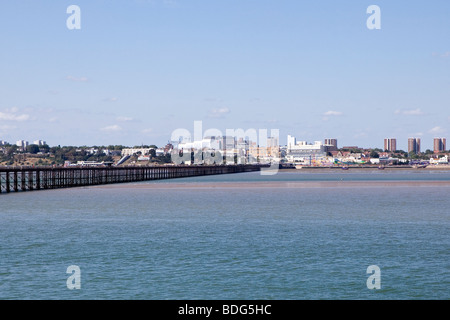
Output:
x=16 y=179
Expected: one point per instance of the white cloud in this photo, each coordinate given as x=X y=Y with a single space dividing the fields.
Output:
x=13 y=115
x=77 y=79
x=436 y=130
x=410 y=112
x=218 y=113
x=333 y=113
x=112 y=128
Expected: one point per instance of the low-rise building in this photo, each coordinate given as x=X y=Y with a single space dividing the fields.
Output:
x=442 y=160
x=302 y=152
x=132 y=151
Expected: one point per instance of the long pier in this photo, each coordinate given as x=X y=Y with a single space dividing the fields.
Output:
x=17 y=179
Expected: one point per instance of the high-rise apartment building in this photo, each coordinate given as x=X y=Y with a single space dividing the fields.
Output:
x=291 y=142
x=439 y=145
x=414 y=145
x=331 y=144
x=22 y=144
x=272 y=142
x=39 y=142
x=390 y=144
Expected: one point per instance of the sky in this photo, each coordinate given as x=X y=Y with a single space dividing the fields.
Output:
x=137 y=70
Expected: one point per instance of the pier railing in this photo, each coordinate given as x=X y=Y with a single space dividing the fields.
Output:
x=18 y=179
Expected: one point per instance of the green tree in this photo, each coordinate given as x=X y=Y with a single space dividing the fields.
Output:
x=374 y=154
x=11 y=150
x=413 y=155
x=45 y=148
x=33 y=148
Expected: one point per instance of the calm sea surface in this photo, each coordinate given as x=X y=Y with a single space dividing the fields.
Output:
x=195 y=239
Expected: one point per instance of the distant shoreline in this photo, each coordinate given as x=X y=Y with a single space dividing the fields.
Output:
x=431 y=167
x=352 y=167
x=276 y=184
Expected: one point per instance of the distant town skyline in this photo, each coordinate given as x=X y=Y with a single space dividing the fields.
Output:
x=390 y=144
x=138 y=70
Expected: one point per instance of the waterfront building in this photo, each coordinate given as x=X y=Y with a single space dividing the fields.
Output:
x=302 y=152
x=159 y=152
x=272 y=142
x=414 y=145
x=168 y=148
x=390 y=144
x=221 y=143
x=266 y=152
x=443 y=160
x=215 y=147
x=439 y=145
x=331 y=144
x=88 y=163
x=132 y=151
x=291 y=142
x=263 y=154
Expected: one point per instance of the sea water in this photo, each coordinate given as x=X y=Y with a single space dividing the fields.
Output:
x=201 y=240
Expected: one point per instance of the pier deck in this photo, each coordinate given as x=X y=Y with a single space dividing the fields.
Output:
x=17 y=179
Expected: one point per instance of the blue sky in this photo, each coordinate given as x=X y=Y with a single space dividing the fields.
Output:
x=139 y=69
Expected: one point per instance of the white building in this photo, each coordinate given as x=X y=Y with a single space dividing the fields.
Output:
x=272 y=142
x=209 y=143
x=39 y=142
x=216 y=149
x=89 y=163
x=3 y=143
x=91 y=151
x=291 y=142
x=22 y=144
x=131 y=151
x=303 y=152
x=443 y=160
x=159 y=152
